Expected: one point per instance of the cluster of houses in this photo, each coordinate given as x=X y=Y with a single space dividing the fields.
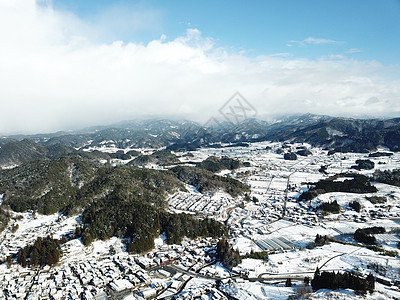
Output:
x=108 y=276
x=202 y=204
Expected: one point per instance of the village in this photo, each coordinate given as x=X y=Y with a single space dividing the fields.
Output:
x=270 y=220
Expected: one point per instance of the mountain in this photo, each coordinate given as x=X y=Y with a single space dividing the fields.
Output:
x=26 y=150
x=131 y=134
x=17 y=152
x=337 y=134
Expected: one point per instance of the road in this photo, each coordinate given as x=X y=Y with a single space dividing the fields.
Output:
x=288 y=181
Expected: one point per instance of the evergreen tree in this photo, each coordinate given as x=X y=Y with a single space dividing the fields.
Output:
x=226 y=254
x=9 y=261
x=63 y=240
x=370 y=282
x=288 y=282
x=22 y=257
x=35 y=257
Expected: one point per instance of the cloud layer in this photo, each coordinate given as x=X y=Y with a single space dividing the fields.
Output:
x=53 y=75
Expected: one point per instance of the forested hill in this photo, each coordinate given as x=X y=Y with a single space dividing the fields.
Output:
x=26 y=150
x=72 y=182
x=338 y=134
x=121 y=200
x=46 y=185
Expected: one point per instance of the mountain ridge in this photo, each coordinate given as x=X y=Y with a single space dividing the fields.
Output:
x=333 y=133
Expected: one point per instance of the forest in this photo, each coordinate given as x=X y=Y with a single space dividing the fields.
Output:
x=215 y=164
x=44 y=251
x=123 y=201
x=206 y=181
x=226 y=254
x=388 y=177
x=346 y=280
x=355 y=184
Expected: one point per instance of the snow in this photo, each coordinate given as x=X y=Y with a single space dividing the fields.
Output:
x=260 y=220
x=245 y=245
x=8 y=167
x=250 y=291
x=103 y=247
x=39 y=222
x=192 y=189
x=216 y=270
x=161 y=240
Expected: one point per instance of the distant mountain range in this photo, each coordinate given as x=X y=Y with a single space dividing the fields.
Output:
x=333 y=133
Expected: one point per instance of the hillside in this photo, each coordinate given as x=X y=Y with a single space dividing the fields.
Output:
x=72 y=182
x=206 y=181
x=161 y=158
x=339 y=134
x=17 y=152
x=26 y=150
x=122 y=201
x=46 y=185
x=215 y=164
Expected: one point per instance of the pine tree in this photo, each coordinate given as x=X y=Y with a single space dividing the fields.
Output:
x=370 y=282
x=288 y=282
x=9 y=261
x=22 y=257
x=35 y=257
x=63 y=240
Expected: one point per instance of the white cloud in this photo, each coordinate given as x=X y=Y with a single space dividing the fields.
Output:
x=353 y=50
x=314 y=41
x=53 y=75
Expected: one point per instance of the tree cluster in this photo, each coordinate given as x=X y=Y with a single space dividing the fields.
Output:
x=226 y=254
x=215 y=164
x=206 y=181
x=355 y=205
x=120 y=154
x=376 y=199
x=347 y=280
x=257 y=255
x=363 y=164
x=44 y=251
x=4 y=218
x=290 y=156
x=304 y=152
x=178 y=226
x=359 y=184
x=365 y=235
x=321 y=240
x=141 y=222
x=388 y=177
x=380 y=154
x=323 y=169
x=330 y=207
x=162 y=158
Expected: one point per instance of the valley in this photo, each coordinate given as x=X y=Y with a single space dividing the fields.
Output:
x=268 y=219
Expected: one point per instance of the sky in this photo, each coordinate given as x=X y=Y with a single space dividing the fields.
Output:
x=68 y=64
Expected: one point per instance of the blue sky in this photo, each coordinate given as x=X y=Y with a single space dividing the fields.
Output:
x=362 y=29
x=68 y=64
